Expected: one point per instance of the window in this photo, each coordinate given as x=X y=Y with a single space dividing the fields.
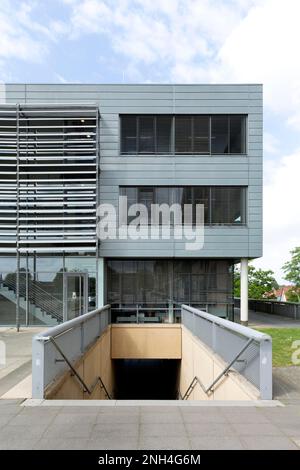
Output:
x=219 y=134
x=129 y=135
x=152 y=283
x=183 y=134
x=237 y=134
x=201 y=134
x=192 y=134
x=164 y=134
x=146 y=135
x=227 y=205
x=228 y=134
x=223 y=205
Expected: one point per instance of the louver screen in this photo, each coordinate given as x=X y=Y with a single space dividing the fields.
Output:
x=49 y=178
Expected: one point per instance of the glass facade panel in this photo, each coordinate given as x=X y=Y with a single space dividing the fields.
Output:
x=43 y=288
x=201 y=134
x=146 y=143
x=237 y=134
x=219 y=134
x=222 y=204
x=129 y=134
x=228 y=205
x=150 y=285
x=201 y=195
x=183 y=134
x=164 y=134
x=7 y=291
x=86 y=263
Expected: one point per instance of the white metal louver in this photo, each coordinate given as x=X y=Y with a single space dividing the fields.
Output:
x=48 y=178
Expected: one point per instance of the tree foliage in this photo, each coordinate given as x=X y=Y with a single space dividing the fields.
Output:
x=292 y=273
x=260 y=282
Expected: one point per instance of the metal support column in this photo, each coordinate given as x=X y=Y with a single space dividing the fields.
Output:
x=17 y=224
x=244 y=291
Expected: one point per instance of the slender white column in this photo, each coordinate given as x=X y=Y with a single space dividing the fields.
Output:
x=244 y=291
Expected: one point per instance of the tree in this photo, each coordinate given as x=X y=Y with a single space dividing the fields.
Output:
x=292 y=273
x=260 y=282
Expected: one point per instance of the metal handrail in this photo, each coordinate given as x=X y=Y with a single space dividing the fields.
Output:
x=44 y=300
x=272 y=301
x=228 y=325
x=99 y=380
x=210 y=389
x=69 y=325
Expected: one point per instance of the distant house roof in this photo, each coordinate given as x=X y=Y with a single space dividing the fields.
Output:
x=279 y=293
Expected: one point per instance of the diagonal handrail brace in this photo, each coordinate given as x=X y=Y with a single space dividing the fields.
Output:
x=224 y=372
x=74 y=371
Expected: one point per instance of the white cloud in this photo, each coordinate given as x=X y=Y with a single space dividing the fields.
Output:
x=271 y=143
x=263 y=48
x=281 y=213
x=20 y=36
x=173 y=31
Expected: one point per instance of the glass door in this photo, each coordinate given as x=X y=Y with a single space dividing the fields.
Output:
x=75 y=295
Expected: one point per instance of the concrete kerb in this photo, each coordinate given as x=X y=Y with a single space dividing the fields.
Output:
x=184 y=403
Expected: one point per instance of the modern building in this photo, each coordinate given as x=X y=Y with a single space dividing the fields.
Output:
x=66 y=148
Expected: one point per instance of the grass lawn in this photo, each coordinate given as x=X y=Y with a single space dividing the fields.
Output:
x=282 y=340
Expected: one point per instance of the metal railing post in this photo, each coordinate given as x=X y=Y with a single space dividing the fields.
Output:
x=38 y=365
x=265 y=370
x=171 y=312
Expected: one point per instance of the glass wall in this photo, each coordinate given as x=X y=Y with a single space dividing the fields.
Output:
x=8 y=266
x=149 y=286
x=43 y=288
x=183 y=134
x=223 y=205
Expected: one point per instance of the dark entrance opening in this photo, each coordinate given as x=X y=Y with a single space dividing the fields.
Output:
x=146 y=379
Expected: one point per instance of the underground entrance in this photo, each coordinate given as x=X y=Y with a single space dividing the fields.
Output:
x=154 y=361
x=146 y=379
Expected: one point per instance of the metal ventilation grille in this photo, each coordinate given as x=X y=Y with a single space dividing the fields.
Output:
x=49 y=178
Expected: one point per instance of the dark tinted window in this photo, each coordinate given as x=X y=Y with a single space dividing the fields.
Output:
x=164 y=134
x=237 y=134
x=183 y=134
x=129 y=134
x=152 y=282
x=201 y=134
x=222 y=204
x=219 y=134
x=227 y=205
x=146 y=135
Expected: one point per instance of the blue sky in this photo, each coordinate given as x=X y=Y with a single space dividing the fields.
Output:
x=178 y=41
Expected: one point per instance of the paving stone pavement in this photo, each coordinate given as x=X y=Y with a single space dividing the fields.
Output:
x=149 y=427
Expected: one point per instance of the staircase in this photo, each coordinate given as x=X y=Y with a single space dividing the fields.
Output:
x=43 y=306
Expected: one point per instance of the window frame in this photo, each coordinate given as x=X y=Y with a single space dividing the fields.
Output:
x=173 y=135
x=173 y=197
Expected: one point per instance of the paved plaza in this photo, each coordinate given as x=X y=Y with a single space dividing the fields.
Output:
x=168 y=425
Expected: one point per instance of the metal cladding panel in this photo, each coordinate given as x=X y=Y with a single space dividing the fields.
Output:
x=117 y=170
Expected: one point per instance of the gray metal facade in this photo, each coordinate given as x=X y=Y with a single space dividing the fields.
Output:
x=173 y=170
